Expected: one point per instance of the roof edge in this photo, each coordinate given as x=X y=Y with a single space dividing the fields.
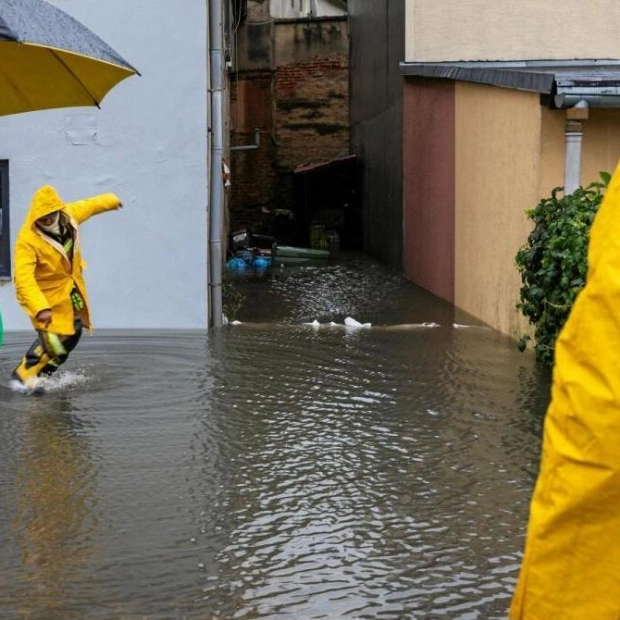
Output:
x=538 y=76
x=485 y=73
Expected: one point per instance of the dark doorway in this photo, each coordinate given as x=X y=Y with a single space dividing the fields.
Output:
x=327 y=199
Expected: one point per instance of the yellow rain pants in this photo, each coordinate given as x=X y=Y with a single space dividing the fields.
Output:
x=571 y=567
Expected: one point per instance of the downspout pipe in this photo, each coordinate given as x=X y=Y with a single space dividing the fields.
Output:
x=216 y=185
x=249 y=147
x=573 y=139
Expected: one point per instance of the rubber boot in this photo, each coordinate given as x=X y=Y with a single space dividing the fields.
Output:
x=32 y=364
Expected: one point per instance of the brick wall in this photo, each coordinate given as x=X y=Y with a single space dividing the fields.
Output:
x=312 y=111
x=301 y=104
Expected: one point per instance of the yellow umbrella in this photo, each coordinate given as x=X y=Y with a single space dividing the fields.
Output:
x=50 y=60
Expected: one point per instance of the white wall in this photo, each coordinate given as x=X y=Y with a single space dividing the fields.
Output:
x=147 y=263
x=293 y=9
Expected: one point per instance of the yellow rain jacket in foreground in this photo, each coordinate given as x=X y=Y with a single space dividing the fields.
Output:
x=571 y=568
x=44 y=275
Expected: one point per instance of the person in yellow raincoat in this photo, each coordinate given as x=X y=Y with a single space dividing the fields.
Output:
x=571 y=566
x=49 y=281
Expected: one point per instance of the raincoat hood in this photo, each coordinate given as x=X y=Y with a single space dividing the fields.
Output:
x=45 y=201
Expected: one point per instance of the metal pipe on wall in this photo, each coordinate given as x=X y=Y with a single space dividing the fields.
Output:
x=573 y=139
x=216 y=186
x=249 y=147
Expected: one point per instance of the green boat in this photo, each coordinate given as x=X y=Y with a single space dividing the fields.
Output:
x=289 y=255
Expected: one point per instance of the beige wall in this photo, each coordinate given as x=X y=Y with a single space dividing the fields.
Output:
x=601 y=144
x=552 y=151
x=509 y=155
x=497 y=143
x=455 y=30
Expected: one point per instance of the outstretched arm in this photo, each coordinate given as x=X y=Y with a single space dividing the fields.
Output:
x=83 y=209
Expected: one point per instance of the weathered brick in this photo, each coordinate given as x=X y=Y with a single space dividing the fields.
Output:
x=302 y=108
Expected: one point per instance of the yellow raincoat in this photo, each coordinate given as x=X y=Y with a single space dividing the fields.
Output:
x=44 y=275
x=571 y=568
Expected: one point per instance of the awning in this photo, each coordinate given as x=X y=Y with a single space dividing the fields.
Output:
x=323 y=164
x=562 y=84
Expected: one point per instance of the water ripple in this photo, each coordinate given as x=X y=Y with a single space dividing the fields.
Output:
x=272 y=470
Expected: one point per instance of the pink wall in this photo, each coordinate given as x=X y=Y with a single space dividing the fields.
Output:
x=429 y=185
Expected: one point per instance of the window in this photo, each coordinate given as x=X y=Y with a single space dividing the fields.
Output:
x=5 y=233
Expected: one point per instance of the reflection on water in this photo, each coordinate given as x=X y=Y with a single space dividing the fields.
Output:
x=54 y=520
x=272 y=469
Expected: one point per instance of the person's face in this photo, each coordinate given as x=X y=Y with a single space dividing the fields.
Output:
x=49 y=219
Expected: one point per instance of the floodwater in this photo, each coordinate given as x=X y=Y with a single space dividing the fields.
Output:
x=273 y=469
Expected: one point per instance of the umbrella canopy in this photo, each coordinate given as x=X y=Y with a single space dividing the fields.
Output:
x=48 y=59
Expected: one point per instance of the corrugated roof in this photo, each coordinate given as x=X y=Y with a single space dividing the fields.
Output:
x=564 y=83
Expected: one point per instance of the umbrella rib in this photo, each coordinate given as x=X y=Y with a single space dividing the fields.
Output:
x=77 y=79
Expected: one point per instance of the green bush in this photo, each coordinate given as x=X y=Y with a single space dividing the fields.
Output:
x=553 y=263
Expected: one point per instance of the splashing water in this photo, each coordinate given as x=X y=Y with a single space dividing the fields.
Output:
x=60 y=381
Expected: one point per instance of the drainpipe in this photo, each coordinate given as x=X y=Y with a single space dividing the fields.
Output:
x=249 y=147
x=216 y=185
x=573 y=138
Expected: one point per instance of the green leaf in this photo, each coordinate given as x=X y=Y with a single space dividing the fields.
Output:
x=553 y=262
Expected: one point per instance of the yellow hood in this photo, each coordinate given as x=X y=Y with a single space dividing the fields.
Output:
x=45 y=201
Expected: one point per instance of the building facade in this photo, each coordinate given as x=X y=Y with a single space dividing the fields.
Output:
x=493 y=97
x=377 y=46
x=299 y=9
x=289 y=104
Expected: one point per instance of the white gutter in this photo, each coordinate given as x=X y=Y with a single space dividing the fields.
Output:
x=573 y=139
x=216 y=185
